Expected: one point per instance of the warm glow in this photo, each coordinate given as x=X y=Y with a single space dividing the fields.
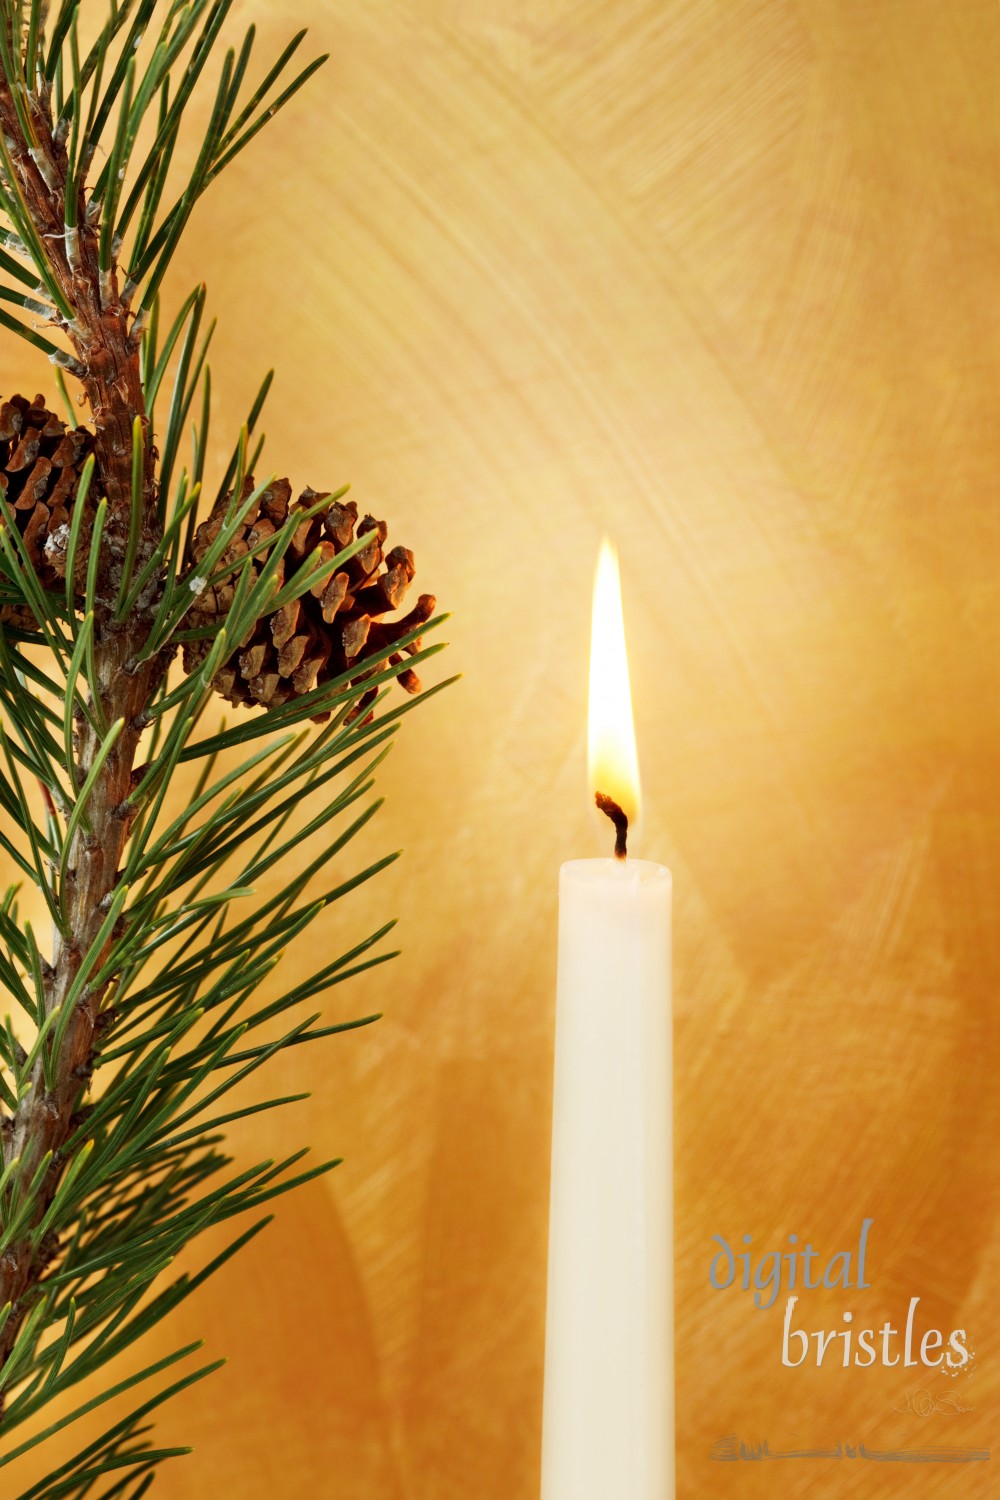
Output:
x=612 y=761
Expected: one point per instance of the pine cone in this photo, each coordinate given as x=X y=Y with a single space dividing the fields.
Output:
x=40 y=463
x=332 y=628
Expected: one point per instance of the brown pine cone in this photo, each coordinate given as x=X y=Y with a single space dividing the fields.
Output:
x=331 y=628
x=40 y=463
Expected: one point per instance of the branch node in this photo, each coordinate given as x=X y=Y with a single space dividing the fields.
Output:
x=104 y=1022
x=71 y=235
x=67 y=362
x=49 y=175
x=49 y=1248
x=139 y=322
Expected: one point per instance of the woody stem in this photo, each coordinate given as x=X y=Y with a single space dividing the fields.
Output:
x=107 y=363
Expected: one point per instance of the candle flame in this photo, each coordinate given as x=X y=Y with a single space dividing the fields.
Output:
x=612 y=761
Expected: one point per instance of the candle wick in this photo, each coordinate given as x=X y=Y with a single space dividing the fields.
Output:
x=609 y=806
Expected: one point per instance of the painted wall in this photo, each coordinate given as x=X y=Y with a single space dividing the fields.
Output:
x=719 y=279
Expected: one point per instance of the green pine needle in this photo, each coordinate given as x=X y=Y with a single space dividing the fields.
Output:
x=140 y=1017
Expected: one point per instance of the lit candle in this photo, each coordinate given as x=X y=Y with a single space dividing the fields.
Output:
x=608 y=1425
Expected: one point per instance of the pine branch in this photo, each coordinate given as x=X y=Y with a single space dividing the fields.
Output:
x=160 y=948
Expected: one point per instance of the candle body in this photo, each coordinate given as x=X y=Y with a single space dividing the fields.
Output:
x=608 y=1424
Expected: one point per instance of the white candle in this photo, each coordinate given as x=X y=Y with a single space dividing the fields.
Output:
x=608 y=1425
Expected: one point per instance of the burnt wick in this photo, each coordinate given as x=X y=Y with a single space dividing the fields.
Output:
x=610 y=807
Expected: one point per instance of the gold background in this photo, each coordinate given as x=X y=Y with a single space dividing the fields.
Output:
x=720 y=279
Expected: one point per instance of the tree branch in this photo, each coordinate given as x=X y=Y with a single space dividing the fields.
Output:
x=110 y=372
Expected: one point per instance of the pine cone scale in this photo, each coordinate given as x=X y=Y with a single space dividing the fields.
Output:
x=333 y=596
x=35 y=485
x=332 y=628
x=285 y=623
x=41 y=460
